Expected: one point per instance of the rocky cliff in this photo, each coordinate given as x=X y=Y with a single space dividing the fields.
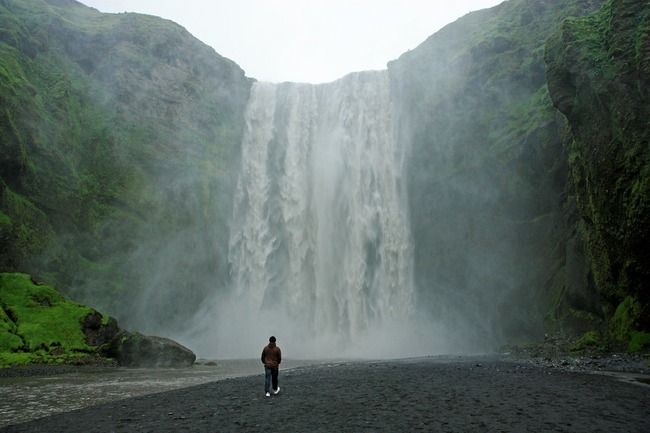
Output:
x=119 y=135
x=490 y=212
x=599 y=78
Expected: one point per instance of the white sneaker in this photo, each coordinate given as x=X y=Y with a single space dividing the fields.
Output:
x=268 y=394
x=276 y=391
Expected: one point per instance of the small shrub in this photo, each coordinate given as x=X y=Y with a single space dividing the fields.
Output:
x=640 y=341
x=589 y=340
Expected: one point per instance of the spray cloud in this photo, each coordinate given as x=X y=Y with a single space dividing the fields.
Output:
x=320 y=247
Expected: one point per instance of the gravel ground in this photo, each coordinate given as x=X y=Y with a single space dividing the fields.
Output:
x=437 y=394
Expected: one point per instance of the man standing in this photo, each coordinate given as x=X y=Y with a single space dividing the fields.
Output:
x=271 y=358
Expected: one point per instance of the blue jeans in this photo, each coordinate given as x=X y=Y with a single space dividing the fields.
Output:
x=270 y=377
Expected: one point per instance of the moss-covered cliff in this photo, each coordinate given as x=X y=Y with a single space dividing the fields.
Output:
x=118 y=137
x=599 y=78
x=487 y=177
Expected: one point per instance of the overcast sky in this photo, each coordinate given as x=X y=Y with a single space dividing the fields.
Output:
x=311 y=41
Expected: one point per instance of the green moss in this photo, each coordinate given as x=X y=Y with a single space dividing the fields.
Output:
x=640 y=341
x=76 y=145
x=9 y=341
x=623 y=323
x=11 y=359
x=589 y=340
x=38 y=321
x=597 y=80
x=30 y=233
x=4 y=220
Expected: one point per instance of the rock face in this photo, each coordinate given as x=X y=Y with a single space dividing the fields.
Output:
x=598 y=71
x=490 y=208
x=132 y=349
x=120 y=134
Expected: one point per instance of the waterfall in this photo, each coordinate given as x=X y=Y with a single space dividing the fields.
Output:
x=320 y=244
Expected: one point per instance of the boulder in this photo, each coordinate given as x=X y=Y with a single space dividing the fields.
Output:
x=132 y=349
x=100 y=332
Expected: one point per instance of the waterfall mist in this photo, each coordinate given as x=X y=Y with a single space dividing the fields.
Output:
x=320 y=248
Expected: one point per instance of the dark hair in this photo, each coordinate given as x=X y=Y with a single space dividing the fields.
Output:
x=272 y=339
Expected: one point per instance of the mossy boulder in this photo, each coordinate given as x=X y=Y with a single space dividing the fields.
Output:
x=100 y=330
x=132 y=349
x=38 y=325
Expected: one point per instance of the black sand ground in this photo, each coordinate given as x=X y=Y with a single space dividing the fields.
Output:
x=479 y=394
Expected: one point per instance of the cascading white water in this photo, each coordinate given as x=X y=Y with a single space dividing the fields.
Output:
x=320 y=245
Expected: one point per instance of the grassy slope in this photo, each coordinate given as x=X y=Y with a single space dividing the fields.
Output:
x=37 y=325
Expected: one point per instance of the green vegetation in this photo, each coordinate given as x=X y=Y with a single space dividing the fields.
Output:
x=625 y=320
x=488 y=166
x=589 y=340
x=597 y=80
x=59 y=173
x=37 y=325
x=99 y=167
x=639 y=342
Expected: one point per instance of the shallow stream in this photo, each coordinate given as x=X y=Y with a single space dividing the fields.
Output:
x=27 y=398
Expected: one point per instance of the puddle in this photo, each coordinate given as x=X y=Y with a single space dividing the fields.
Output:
x=634 y=378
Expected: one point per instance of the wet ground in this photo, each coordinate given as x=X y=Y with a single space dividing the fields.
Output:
x=26 y=398
x=445 y=393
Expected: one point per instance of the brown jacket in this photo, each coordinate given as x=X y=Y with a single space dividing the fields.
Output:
x=271 y=356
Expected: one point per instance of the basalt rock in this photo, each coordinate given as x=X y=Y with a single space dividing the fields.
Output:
x=598 y=77
x=132 y=349
x=98 y=333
